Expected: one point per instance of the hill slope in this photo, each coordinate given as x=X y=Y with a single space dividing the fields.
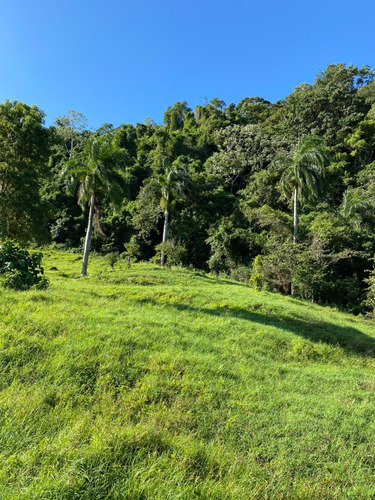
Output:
x=155 y=383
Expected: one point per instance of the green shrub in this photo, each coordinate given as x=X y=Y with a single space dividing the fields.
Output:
x=241 y=273
x=174 y=252
x=132 y=250
x=112 y=258
x=19 y=269
x=256 y=273
x=273 y=270
x=370 y=293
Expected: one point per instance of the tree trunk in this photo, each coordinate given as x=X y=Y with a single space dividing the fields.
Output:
x=88 y=236
x=295 y=217
x=165 y=229
x=295 y=229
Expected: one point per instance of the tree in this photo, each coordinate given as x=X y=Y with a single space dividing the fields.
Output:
x=253 y=110
x=175 y=116
x=330 y=107
x=70 y=128
x=170 y=183
x=354 y=205
x=24 y=152
x=99 y=171
x=304 y=171
x=67 y=220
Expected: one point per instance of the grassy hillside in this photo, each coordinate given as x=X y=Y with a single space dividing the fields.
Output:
x=168 y=384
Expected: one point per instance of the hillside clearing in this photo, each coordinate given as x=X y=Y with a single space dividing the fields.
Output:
x=171 y=384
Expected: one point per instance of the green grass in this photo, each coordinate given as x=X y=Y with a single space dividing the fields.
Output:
x=151 y=383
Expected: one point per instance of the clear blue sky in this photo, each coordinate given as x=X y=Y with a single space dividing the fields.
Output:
x=122 y=61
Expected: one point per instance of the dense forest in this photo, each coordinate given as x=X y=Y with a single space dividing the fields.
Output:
x=280 y=195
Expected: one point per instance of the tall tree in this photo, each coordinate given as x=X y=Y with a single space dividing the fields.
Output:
x=170 y=183
x=329 y=108
x=303 y=174
x=24 y=153
x=99 y=172
x=67 y=219
x=70 y=128
x=175 y=116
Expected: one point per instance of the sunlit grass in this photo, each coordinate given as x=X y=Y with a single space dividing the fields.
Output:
x=170 y=384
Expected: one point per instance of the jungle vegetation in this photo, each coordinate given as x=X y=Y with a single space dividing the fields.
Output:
x=281 y=195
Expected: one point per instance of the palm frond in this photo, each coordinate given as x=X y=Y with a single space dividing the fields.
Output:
x=304 y=168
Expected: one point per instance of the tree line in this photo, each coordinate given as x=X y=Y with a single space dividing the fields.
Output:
x=281 y=195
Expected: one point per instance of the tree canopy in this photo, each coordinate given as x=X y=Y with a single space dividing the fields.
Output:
x=24 y=153
x=236 y=212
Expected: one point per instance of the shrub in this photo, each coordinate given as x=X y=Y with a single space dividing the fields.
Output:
x=174 y=252
x=19 y=269
x=256 y=273
x=241 y=273
x=370 y=294
x=132 y=250
x=273 y=270
x=112 y=258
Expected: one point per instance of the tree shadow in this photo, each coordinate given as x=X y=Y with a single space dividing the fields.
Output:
x=352 y=340
x=221 y=281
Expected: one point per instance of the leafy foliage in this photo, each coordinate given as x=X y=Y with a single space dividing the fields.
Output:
x=222 y=180
x=24 y=152
x=19 y=269
x=174 y=252
x=98 y=171
x=132 y=250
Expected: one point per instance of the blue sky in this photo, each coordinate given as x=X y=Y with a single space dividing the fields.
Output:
x=122 y=61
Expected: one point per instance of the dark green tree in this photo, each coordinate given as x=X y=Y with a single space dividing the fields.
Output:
x=67 y=219
x=24 y=153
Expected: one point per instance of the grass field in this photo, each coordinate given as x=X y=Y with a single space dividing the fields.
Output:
x=151 y=383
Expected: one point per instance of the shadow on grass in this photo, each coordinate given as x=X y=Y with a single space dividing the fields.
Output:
x=218 y=280
x=350 y=339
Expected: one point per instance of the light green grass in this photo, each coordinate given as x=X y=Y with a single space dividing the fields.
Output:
x=151 y=383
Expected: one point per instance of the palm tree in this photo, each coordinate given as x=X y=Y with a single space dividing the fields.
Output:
x=354 y=206
x=171 y=184
x=304 y=173
x=98 y=172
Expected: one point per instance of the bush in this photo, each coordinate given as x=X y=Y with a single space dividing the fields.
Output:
x=112 y=258
x=273 y=270
x=241 y=273
x=370 y=294
x=174 y=252
x=132 y=250
x=256 y=273
x=19 y=269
